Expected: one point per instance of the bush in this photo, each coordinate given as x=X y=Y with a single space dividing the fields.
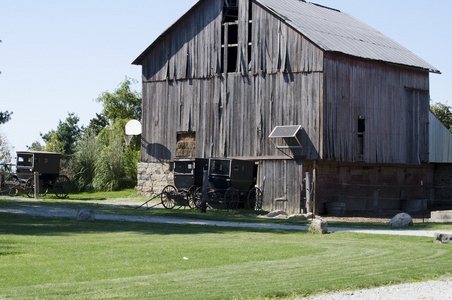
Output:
x=117 y=163
x=84 y=162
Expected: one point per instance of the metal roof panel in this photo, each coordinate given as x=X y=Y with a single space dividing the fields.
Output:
x=336 y=31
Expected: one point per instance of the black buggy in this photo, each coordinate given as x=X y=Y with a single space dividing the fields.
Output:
x=188 y=178
x=47 y=165
x=231 y=184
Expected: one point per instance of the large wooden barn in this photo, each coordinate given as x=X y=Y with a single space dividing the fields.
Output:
x=228 y=72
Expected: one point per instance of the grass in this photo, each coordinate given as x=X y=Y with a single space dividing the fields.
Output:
x=128 y=201
x=127 y=193
x=50 y=258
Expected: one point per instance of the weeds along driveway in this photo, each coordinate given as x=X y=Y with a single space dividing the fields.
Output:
x=40 y=209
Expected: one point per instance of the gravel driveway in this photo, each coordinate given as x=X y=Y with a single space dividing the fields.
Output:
x=427 y=290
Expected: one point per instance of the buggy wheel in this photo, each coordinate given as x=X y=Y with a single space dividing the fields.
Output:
x=197 y=196
x=30 y=188
x=254 y=200
x=62 y=186
x=167 y=196
x=231 y=198
x=191 y=196
x=10 y=186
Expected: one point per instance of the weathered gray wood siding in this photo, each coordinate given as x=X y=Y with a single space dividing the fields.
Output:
x=394 y=102
x=190 y=48
x=231 y=113
x=231 y=116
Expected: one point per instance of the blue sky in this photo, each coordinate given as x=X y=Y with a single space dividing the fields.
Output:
x=57 y=56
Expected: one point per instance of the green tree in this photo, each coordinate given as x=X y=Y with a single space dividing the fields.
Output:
x=97 y=123
x=63 y=139
x=36 y=146
x=444 y=113
x=101 y=160
x=123 y=103
x=51 y=142
x=5 y=116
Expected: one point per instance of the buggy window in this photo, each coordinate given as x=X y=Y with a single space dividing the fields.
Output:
x=25 y=160
x=183 y=167
x=219 y=167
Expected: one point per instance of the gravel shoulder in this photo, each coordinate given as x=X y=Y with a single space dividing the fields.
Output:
x=427 y=290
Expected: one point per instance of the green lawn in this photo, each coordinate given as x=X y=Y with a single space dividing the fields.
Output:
x=50 y=258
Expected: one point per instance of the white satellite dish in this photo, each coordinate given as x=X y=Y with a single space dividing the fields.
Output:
x=133 y=127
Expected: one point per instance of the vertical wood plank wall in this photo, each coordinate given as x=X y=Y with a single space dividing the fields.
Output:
x=394 y=102
x=233 y=113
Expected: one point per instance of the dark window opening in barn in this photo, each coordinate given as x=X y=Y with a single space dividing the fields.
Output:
x=250 y=34
x=229 y=36
x=230 y=11
x=186 y=144
x=232 y=59
x=233 y=30
x=361 y=130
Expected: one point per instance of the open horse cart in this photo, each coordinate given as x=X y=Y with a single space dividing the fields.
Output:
x=188 y=177
x=231 y=184
x=47 y=165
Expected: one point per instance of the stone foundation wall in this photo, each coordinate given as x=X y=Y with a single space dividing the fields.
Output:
x=153 y=177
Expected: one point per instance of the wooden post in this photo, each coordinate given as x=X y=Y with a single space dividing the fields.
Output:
x=204 y=191
x=308 y=192
x=36 y=184
x=315 y=209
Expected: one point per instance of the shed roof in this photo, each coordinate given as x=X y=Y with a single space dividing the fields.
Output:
x=335 y=31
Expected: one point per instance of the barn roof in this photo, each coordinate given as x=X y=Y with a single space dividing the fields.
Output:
x=335 y=31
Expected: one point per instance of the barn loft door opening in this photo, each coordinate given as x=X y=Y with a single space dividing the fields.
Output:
x=236 y=35
x=186 y=144
x=230 y=11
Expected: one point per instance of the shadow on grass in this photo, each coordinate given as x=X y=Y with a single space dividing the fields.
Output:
x=44 y=226
x=238 y=215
